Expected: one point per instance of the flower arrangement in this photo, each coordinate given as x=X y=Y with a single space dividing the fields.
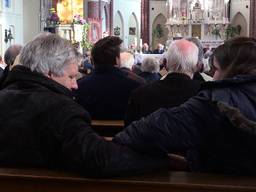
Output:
x=78 y=19
x=85 y=44
x=53 y=19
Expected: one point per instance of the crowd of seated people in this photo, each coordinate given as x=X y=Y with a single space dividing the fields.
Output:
x=215 y=130
x=46 y=113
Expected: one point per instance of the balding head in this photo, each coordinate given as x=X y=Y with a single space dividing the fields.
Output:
x=182 y=57
x=11 y=54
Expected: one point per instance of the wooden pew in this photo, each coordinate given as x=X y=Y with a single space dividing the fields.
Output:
x=35 y=180
x=107 y=128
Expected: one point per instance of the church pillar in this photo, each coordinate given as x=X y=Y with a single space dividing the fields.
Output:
x=111 y=17
x=145 y=21
x=93 y=9
x=253 y=18
x=54 y=4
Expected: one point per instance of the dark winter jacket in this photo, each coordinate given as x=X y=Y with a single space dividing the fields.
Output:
x=215 y=129
x=173 y=90
x=41 y=126
x=105 y=93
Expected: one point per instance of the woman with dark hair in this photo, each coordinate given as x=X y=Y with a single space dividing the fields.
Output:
x=215 y=130
x=235 y=57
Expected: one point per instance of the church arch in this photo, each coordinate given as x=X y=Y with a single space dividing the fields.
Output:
x=133 y=31
x=159 y=31
x=119 y=25
x=239 y=19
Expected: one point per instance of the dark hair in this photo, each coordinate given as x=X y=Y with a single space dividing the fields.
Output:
x=105 y=51
x=11 y=54
x=237 y=56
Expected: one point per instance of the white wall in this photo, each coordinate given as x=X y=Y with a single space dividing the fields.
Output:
x=240 y=6
x=11 y=18
x=31 y=22
x=127 y=8
x=155 y=8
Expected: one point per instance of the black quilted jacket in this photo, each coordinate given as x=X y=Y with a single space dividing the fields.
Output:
x=215 y=130
x=41 y=126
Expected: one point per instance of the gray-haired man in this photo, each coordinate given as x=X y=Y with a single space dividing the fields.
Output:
x=41 y=125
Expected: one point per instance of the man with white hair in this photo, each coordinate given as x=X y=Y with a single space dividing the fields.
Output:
x=42 y=126
x=126 y=65
x=150 y=67
x=174 y=89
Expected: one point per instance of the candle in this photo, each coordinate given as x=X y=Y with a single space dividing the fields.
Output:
x=135 y=42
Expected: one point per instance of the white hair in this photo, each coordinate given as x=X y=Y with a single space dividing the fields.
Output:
x=127 y=60
x=182 y=57
x=150 y=64
x=49 y=54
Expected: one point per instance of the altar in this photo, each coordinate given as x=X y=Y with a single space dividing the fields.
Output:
x=205 y=19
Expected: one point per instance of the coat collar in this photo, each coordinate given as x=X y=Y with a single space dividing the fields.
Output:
x=173 y=75
x=229 y=82
x=23 y=74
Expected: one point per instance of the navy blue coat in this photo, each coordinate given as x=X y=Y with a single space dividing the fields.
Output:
x=104 y=93
x=216 y=130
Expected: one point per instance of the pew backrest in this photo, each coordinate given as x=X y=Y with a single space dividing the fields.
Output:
x=21 y=180
x=107 y=128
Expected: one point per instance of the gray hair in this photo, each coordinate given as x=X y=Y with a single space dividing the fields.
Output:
x=49 y=54
x=127 y=60
x=182 y=57
x=11 y=54
x=150 y=64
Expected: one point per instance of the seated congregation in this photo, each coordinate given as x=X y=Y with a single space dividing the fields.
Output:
x=47 y=117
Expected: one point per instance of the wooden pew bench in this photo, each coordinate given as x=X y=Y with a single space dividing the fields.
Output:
x=107 y=128
x=36 y=180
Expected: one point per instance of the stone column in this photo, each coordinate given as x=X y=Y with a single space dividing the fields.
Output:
x=145 y=21
x=45 y=6
x=54 y=4
x=111 y=17
x=93 y=9
x=253 y=18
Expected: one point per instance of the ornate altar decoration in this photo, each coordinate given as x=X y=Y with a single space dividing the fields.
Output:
x=72 y=25
x=205 y=19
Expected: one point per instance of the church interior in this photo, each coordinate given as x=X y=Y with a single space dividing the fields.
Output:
x=127 y=95
x=134 y=21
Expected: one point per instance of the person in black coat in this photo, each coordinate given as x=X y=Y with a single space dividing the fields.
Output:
x=145 y=49
x=42 y=126
x=215 y=130
x=159 y=49
x=173 y=90
x=105 y=92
